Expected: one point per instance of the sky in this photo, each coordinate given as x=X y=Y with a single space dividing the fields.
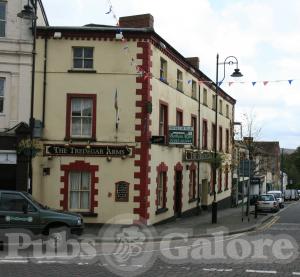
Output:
x=263 y=35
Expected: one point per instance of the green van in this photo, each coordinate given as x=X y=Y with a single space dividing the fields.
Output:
x=19 y=210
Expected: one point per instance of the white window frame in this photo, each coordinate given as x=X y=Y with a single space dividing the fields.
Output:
x=163 y=70
x=194 y=89
x=161 y=190
x=80 y=190
x=81 y=135
x=179 y=80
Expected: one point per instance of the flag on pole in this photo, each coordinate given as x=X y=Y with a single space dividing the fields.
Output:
x=117 y=109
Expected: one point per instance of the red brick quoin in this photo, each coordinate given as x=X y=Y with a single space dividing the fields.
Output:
x=143 y=139
x=78 y=166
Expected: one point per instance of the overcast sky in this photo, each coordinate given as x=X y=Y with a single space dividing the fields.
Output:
x=263 y=34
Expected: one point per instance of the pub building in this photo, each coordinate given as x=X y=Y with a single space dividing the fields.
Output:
x=120 y=109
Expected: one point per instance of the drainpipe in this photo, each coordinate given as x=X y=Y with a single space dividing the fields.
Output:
x=45 y=81
x=198 y=162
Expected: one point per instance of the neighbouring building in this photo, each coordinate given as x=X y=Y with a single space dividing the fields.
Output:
x=128 y=124
x=16 y=42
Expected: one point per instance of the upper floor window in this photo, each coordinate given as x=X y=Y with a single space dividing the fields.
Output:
x=179 y=80
x=163 y=70
x=179 y=117
x=214 y=102
x=220 y=106
x=194 y=89
x=83 y=57
x=2 y=95
x=227 y=141
x=227 y=110
x=81 y=116
x=2 y=18
x=220 y=138
x=163 y=120
x=204 y=96
x=204 y=134
x=194 y=125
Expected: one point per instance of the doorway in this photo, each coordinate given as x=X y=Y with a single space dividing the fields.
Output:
x=178 y=194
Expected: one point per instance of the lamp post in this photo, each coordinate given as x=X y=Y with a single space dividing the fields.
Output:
x=30 y=13
x=230 y=60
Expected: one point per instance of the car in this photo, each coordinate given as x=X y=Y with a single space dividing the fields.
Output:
x=278 y=195
x=19 y=210
x=267 y=202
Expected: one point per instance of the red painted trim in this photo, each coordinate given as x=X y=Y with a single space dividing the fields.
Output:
x=78 y=166
x=179 y=117
x=143 y=135
x=177 y=168
x=70 y=96
x=166 y=116
x=213 y=130
x=192 y=177
x=220 y=180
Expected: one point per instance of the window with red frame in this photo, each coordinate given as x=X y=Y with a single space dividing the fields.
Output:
x=81 y=116
x=161 y=190
x=192 y=185
x=179 y=117
x=194 y=125
x=213 y=136
x=220 y=180
x=220 y=138
x=204 y=134
x=227 y=141
x=163 y=120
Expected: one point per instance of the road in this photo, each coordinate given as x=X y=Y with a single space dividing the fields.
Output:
x=272 y=250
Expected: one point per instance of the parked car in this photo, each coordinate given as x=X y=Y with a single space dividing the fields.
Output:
x=279 y=197
x=291 y=194
x=267 y=202
x=19 y=210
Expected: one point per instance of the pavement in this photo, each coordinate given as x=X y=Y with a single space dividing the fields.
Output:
x=230 y=221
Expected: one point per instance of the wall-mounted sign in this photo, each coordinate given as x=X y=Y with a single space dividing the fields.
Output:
x=158 y=139
x=181 y=135
x=198 y=155
x=122 y=191
x=257 y=180
x=90 y=150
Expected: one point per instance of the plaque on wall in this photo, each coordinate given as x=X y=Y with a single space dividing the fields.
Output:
x=122 y=191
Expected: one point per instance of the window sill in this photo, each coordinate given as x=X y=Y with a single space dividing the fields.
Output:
x=180 y=90
x=192 y=200
x=220 y=191
x=88 y=214
x=161 y=210
x=92 y=139
x=164 y=81
x=82 y=71
x=226 y=189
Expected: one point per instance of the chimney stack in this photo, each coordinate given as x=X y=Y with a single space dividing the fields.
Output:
x=137 y=21
x=194 y=61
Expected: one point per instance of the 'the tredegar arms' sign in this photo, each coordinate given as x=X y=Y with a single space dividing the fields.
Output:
x=90 y=150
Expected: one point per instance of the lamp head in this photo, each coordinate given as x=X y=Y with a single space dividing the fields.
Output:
x=27 y=13
x=236 y=73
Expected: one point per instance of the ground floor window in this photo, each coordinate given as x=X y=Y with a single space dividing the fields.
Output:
x=80 y=190
x=192 y=183
x=161 y=190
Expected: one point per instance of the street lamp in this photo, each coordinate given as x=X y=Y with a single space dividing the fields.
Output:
x=30 y=12
x=230 y=60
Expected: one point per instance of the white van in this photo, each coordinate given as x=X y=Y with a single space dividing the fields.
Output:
x=278 y=196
